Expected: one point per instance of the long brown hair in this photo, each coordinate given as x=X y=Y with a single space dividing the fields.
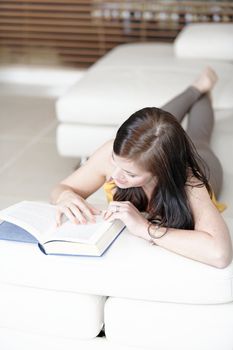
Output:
x=159 y=144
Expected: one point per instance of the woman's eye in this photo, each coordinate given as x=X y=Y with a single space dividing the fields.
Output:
x=131 y=175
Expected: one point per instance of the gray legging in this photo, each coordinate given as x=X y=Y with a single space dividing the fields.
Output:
x=199 y=128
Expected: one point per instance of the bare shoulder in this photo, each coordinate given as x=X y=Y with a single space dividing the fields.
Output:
x=105 y=149
x=93 y=173
x=203 y=209
x=208 y=219
x=197 y=194
x=101 y=157
x=206 y=216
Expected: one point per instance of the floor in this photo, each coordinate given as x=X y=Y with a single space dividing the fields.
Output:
x=29 y=162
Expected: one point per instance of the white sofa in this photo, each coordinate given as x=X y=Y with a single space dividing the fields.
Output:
x=145 y=296
x=133 y=76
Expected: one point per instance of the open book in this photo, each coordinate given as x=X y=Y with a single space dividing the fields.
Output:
x=38 y=219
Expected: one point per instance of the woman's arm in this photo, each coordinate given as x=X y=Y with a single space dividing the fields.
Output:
x=210 y=240
x=70 y=194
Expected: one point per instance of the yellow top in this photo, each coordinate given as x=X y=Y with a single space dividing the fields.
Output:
x=110 y=185
x=219 y=205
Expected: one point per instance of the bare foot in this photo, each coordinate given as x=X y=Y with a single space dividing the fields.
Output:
x=206 y=81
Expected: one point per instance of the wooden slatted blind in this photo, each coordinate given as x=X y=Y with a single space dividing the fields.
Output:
x=77 y=33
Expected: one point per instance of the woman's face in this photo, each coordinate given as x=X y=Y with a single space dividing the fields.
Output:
x=128 y=174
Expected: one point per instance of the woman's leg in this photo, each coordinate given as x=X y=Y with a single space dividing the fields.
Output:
x=196 y=101
x=201 y=120
x=199 y=128
x=181 y=104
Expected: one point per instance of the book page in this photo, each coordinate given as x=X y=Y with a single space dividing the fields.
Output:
x=35 y=217
x=83 y=233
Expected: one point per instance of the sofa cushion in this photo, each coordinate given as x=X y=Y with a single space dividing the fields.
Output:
x=134 y=76
x=166 y=326
x=14 y=339
x=51 y=313
x=205 y=40
x=82 y=140
x=131 y=268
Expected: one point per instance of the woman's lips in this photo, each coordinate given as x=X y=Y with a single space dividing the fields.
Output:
x=120 y=182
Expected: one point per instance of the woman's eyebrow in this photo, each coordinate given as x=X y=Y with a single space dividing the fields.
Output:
x=129 y=172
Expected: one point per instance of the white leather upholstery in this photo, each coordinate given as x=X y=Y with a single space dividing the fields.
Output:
x=129 y=78
x=63 y=298
x=167 y=326
x=133 y=76
x=13 y=339
x=205 y=40
x=77 y=139
x=163 y=275
x=49 y=312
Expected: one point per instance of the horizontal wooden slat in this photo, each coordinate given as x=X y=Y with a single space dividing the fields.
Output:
x=80 y=31
x=126 y=4
x=74 y=30
x=59 y=37
x=47 y=7
x=44 y=43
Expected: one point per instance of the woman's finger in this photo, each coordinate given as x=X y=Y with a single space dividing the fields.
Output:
x=94 y=210
x=110 y=218
x=87 y=209
x=107 y=214
x=77 y=213
x=113 y=207
x=70 y=216
x=58 y=217
x=116 y=203
x=117 y=206
x=116 y=215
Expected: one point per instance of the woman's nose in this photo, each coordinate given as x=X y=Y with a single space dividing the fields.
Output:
x=117 y=173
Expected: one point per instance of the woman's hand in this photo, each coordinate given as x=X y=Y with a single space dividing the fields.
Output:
x=125 y=211
x=75 y=208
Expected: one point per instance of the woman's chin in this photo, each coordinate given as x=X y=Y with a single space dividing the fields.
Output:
x=121 y=185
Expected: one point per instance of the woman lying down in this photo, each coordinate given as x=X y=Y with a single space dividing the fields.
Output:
x=153 y=166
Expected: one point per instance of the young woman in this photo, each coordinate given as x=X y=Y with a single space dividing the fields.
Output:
x=156 y=179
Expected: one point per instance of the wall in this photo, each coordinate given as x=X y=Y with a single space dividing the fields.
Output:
x=76 y=33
